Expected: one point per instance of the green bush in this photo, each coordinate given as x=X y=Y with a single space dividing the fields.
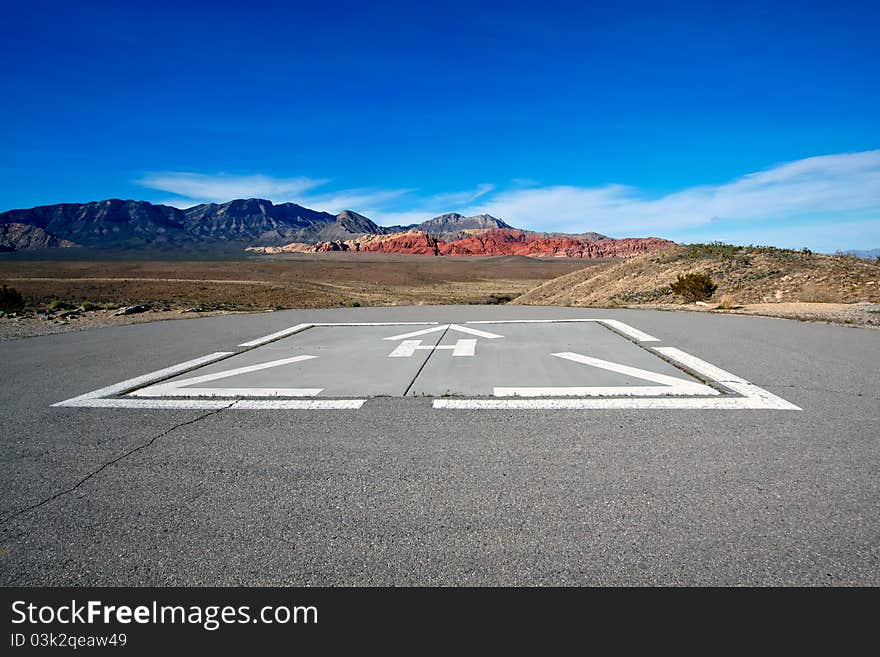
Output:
x=694 y=287
x=58 y=304
x=10 y=299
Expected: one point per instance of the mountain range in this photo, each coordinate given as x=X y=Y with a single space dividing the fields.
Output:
x=263 y=226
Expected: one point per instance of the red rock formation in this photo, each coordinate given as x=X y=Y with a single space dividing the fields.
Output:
x=518 y=242
x=414 y=242
x=498 y=242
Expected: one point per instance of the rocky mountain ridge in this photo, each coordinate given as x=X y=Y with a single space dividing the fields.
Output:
x=117 y=224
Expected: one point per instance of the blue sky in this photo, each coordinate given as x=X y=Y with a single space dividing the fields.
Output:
x=693 y=121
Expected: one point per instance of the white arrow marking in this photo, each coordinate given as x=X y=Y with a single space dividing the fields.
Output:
x=672 y=386
x=754 y=398
x=98 y=398
x=451 y=327
x=647 y=375
x=121 y=387
x=177 y=389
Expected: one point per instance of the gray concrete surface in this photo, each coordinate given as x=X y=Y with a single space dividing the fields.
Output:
x=356 y=361
x=400 y=493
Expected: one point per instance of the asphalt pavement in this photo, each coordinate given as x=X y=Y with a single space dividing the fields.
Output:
x=443 y=446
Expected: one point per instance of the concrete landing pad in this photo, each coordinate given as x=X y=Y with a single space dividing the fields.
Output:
x=435 y=360
x=512 y=364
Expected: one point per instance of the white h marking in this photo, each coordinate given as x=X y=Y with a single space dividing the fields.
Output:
x=408 y=347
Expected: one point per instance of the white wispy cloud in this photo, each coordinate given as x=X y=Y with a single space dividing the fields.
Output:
x=458 y=199
x=219 y=188
x=818 y=201
x=194 y=188
x=830 y=184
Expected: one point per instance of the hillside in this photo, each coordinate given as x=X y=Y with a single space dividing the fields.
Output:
x=15 y=236
x=750 y=275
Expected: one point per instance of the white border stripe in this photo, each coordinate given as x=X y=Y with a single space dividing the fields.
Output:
x=172 y=404
x=729 y=403
x=532 y=321
x=299 y=405
x=628 y=330
x=615 y=391
x=210 y=404
x=375 y=323
x=700 y=366
x=274 y=336
x=173 y=391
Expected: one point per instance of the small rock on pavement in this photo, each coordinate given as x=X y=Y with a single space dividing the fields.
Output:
x=131 y=310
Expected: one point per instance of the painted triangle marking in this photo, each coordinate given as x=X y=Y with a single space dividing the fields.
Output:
x=444 y=327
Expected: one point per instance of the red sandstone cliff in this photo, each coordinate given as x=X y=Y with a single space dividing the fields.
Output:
x=497 y=242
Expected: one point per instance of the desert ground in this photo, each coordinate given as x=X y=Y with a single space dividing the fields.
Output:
x=187 y=288
x=80 y=292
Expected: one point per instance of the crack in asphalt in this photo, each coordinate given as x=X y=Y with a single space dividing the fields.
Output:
x=106 y=465
x=430 y=353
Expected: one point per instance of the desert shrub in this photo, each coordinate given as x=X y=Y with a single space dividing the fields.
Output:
x=711 y=250
x=58 y=304
x=694 y=287
x=811 y=293
x=727 y=302
x=10 y=299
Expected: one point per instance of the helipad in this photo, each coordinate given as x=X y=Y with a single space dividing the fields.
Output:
x=515 y=364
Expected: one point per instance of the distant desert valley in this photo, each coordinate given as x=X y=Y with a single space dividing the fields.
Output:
x=75 y=265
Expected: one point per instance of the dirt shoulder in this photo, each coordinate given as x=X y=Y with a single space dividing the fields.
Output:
x=855 y=314
x=28 y=325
